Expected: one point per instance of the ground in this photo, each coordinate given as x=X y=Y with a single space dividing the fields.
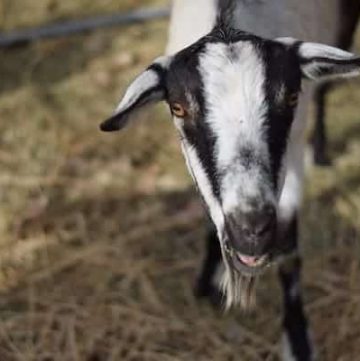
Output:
x=102 y=234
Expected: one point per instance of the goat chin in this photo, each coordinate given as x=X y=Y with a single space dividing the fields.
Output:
x=239 y=289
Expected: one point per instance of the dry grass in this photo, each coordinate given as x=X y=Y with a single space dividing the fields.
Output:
x=101 y=235
x=24 y=13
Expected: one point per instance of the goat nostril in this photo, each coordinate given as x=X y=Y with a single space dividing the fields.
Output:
x=247 y=233
x=265 y=226
x=252 y=226
x=267 y=221
x=260 y=223
x=268 y=211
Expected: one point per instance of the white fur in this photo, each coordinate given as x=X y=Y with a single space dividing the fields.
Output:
x=146 y=80
x=190 y=20
x=315 y=50
x=236 y=105
x=310 y=50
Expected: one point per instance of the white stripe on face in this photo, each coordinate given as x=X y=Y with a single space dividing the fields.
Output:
x=201 y=179
x=233 y=77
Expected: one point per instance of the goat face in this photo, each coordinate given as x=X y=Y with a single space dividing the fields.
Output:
x=233 y=99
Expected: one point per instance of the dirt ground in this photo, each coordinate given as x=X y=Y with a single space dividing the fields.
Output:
x=102 y=234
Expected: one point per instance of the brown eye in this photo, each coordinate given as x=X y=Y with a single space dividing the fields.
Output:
x=178 y=110
x=293 y=99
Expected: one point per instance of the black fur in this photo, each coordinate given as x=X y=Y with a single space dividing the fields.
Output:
x=282 y=69
x=184 y=78
x=205 y=286
x=295 y=323
x=247 y=157
x=225 y=10
x=319 y=137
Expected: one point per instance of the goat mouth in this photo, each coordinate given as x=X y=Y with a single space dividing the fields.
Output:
x=251 y=265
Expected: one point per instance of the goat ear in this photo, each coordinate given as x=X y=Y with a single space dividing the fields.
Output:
x=147 y=88
x=320 y=61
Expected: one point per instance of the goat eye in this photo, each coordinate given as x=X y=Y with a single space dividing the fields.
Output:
x=178 y=110
x=293 y=99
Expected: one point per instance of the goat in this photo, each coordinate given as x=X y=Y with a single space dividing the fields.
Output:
x=238 y=99
x=348 y=16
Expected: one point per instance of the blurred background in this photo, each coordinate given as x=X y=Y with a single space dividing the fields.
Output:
x=101 y=235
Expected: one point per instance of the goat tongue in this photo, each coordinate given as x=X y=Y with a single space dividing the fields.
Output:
x=250 y=261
